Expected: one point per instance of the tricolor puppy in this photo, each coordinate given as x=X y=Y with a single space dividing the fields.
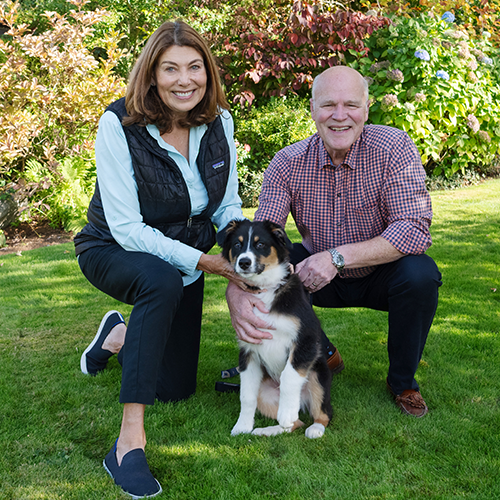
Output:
x=287 y=373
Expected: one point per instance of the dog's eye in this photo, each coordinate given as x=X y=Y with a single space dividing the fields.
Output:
x=259 y=245
x=237 y=245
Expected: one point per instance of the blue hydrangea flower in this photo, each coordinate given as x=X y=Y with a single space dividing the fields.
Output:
x=448 y=17
x=422 y=54
x=442 y=74
x=486 y=60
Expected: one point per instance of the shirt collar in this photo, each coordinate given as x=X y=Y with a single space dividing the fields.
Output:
x=352 y=157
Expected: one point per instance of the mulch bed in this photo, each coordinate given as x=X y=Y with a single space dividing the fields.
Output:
x=34 y=235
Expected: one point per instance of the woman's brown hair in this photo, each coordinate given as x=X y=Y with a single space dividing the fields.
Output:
x=143 y=102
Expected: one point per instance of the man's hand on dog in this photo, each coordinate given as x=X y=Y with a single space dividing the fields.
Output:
x=246 y=324
x=316 y=271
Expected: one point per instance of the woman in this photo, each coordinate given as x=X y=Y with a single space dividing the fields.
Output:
x=166 y=174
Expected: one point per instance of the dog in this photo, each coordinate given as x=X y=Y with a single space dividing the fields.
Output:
x=287 y=373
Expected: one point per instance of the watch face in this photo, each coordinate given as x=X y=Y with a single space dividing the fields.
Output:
x=337 y=259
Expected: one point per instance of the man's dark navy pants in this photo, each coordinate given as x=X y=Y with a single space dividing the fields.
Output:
x=408 y=290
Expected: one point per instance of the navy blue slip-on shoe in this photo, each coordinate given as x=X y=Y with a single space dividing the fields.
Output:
x=133 y=475
x=94 y=359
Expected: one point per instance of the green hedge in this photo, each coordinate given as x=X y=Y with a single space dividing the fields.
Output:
x=261 y=133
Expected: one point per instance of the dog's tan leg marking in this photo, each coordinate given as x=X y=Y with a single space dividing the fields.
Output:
x=275 y=430
x=297 y=424
x=269 y=398
x=268 y=405
x=316 y=394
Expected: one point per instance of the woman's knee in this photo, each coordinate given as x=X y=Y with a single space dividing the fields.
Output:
x=127 y=276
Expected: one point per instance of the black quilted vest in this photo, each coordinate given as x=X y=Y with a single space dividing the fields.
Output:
x=163 y=193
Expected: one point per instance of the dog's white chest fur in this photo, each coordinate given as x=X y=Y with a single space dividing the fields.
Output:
x=273 y=353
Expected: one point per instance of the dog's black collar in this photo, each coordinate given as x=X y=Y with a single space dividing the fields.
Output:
x=251 y=287
x=284 y=280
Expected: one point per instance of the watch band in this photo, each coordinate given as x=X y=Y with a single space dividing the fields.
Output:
x=337 y=260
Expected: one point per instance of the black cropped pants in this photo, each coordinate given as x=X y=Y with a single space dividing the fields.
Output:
x=408 y=290
x=162 y=344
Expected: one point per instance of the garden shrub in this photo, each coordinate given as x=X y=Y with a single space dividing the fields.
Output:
x=475 y=16
x=52 y=94
x=67 y=205
x=261 y=133
x=428 y=78
x=138 y=19
x=282 y=49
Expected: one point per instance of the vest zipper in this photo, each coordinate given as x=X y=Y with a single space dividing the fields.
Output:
x=188 y=226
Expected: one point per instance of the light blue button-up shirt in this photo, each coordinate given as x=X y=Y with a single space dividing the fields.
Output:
x=118 y=190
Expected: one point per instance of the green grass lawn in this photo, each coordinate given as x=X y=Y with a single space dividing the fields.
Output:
x=56 y=425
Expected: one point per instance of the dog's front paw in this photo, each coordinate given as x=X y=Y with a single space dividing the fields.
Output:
x=242 y=428
x=272 y=430
x=286 y=419
x=315 y=431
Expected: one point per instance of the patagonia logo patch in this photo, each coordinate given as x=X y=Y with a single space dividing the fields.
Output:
x=218 y=165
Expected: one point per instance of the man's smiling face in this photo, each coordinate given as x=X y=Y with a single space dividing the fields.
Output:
x=339 y=107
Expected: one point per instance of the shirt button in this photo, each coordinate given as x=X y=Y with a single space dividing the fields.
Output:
x=339 y=195
x=339 y=224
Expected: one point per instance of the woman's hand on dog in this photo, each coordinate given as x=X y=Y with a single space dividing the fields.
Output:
x=316 y=271
x=217 y=264
x=246 y=324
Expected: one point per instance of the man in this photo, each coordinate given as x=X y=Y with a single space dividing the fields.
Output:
x=358 y=197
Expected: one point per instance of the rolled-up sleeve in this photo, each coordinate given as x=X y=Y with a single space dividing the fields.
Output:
x=406 y=202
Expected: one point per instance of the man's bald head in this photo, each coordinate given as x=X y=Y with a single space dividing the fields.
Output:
x=339 y=107
x=341 y=73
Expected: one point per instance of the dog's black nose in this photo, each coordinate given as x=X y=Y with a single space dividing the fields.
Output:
x=244 y=263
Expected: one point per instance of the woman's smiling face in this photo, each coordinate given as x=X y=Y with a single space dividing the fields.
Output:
x=181 y=78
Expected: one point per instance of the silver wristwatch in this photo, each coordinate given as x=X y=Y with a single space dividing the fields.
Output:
x=337 y=260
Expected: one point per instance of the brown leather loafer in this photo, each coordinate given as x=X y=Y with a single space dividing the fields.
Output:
x=410 y=402
x=335 y=362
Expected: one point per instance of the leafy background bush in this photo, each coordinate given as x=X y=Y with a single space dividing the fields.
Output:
x=282 y=53
x=52 y=93
x=62 y=62
x=263 y=131
x=429 y=78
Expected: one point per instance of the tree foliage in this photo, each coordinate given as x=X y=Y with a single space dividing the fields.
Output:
x=284 y=49
x=430 y=78
x=52 y=92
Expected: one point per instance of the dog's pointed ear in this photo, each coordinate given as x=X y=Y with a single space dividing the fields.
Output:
x=279 y=233
x=223 y=234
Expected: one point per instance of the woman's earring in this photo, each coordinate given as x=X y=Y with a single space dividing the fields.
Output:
x=153 y=84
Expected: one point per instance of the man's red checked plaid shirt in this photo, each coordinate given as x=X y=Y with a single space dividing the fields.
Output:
x=378 y=190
